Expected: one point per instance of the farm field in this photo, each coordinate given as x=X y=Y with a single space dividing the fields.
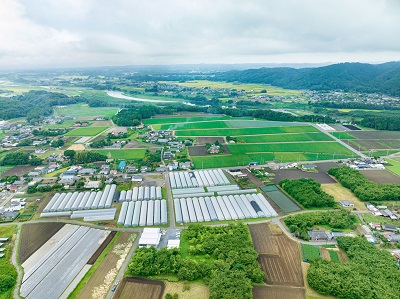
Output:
x=263 y=240
x=251 y=88
x=198 y=291
x=381 y=176
x=242 y=154
x=83 y=111
x=140 y=288
x=341 y=193
x=334 y=256
x=33 y=236
x=88 y=131
x=278 y=197
x=6 y=267
x=343 y=135
x=394 y=166
x=128 y=154
x=246 y=131
x=310 y=252
x=277 y=292
x=64 y=125
x=295 y=174
x=283 y=266
x=288 y=137
x=101 y=280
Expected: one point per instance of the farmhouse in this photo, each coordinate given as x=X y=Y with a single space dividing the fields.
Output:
x=87 y=171
x=346 y=203
x=334 y=235
x=137 y=178
x=93 y=185
x=389 y=227
x=318 y=235
x=393 y=238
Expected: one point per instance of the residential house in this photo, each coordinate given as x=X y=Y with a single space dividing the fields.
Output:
x=334 y=235
x=87 y=171
x=318 y=235
x=93 y=185
x=393 y=238
x=389 y=227
x=137 y=178
x=346 y=203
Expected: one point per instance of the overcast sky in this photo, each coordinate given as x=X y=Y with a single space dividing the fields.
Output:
x=62 y=33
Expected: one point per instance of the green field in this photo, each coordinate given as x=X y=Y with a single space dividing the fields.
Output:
x=193 y=125
x=84 y=111
x=249 y=88
x=334 y=256
x=283 y=138
x=343 y=135
x=172 y=120
x=87 y=131
x=64 y=125
x=310 y=252
x=395 y=168
x=128 y=154
x=247 y=131
x=310 y=147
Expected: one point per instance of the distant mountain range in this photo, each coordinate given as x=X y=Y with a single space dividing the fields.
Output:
x=360 y=77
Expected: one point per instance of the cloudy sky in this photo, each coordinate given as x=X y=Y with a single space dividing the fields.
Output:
x=63 y=33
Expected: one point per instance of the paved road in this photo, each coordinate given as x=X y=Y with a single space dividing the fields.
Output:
x=341 y=142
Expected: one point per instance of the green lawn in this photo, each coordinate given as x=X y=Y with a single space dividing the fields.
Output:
x=128 y=154
x=88 y=131
x=172 y=120
x=84 y=111
x=310 y=252
x=247 y=131
x=343 y=135
x=395 y=168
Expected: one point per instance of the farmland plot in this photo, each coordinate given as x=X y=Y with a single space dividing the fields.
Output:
x=140 y=288
x=277 y=292
x=102 y=279
x=88 y=131
x=263 y=240
x=33 y=236
x=285 y=268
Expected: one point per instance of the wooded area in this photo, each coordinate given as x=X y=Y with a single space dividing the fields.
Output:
x=372 y=273
x=308 y=193
x=363 y=188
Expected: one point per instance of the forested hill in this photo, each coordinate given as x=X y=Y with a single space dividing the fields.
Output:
x=361 y=77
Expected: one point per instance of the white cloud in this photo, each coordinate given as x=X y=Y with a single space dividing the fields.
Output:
x=45 y=33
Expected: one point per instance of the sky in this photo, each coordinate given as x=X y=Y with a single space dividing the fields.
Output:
x=84 y=33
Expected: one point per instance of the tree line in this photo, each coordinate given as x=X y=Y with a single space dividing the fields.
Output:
x=308 y=193
x=371 y=273
x=20 y=158
x=363 y=188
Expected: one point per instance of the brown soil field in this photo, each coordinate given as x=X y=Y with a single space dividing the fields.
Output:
x=376 y=134
x=96 y=255
x=140 y=288
x=101 y=123
x=77 y=147
x=285 y=268
x=18 y=170
x=199 y=150
x=295 y=174
x=33 y=236
x=381 y=176
x=198 y=291
x=204 y=140
x=341 y=193
x=351 y=127
x=367 y=144
x=277 y=292
x=102 y=279
x=263 y=240
x=137 y=144
x=325 y=254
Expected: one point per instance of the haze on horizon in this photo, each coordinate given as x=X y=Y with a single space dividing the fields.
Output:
x=76 y=33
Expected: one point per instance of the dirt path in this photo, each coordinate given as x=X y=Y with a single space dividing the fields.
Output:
x=14 y=262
